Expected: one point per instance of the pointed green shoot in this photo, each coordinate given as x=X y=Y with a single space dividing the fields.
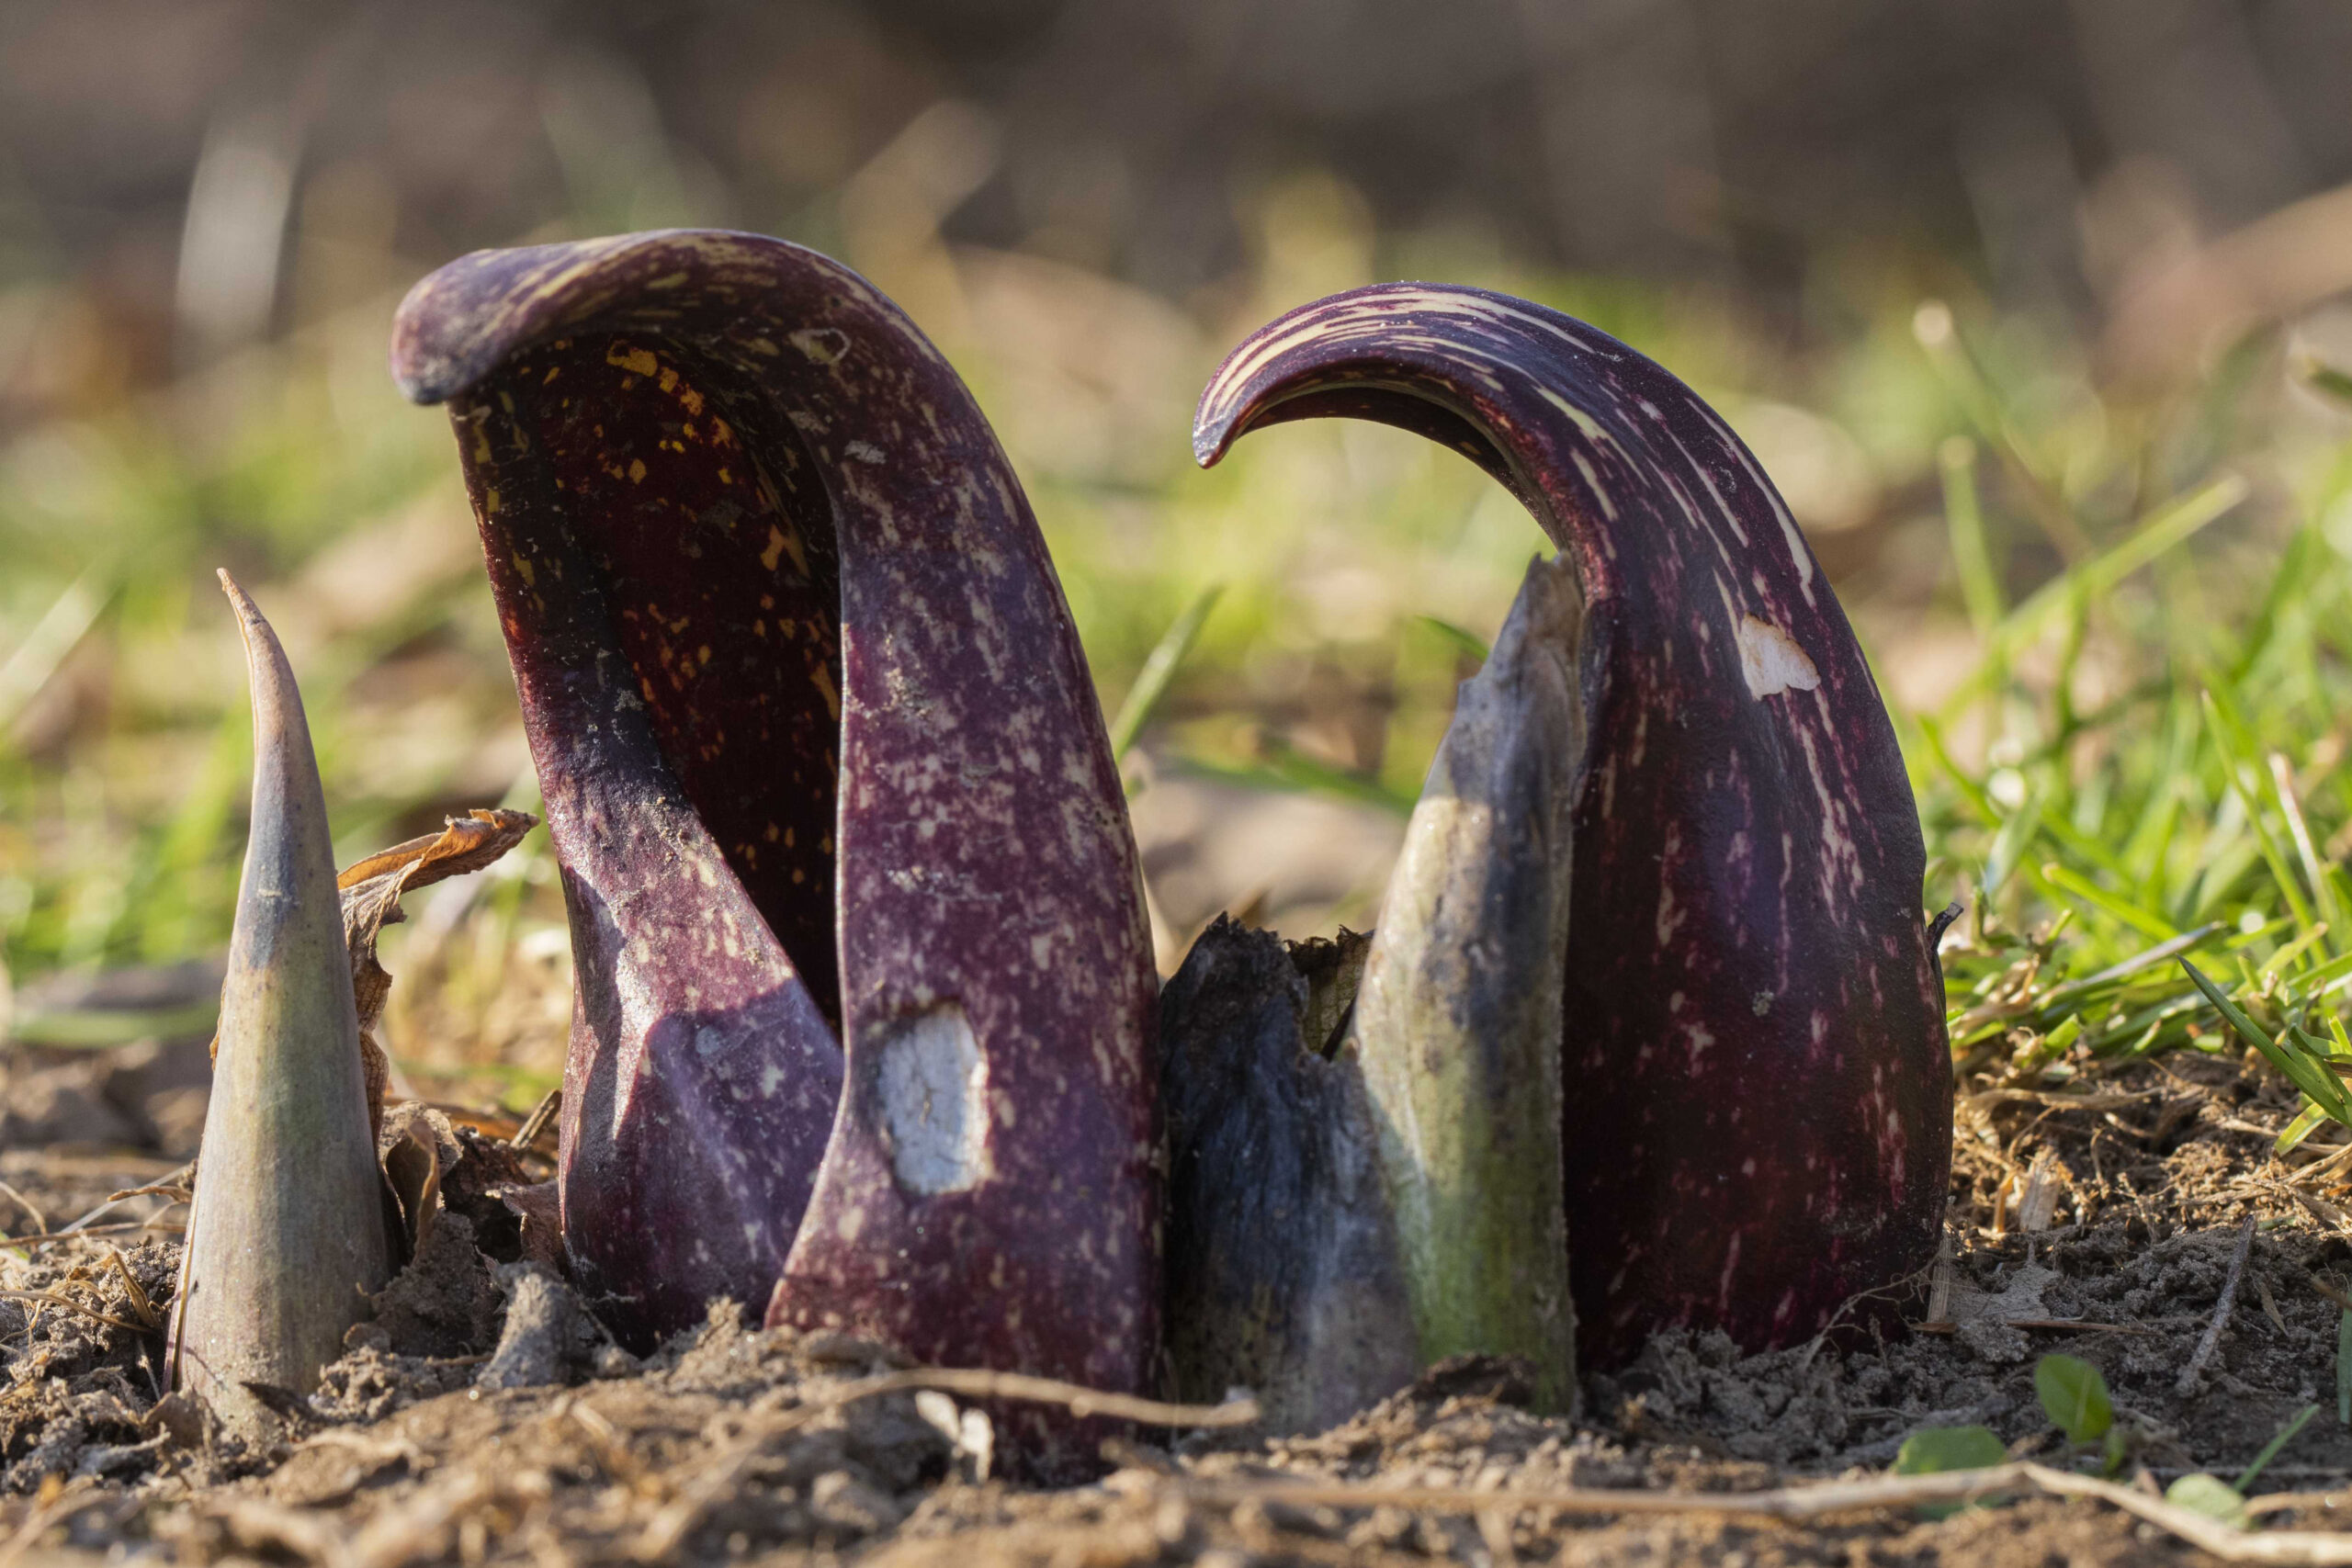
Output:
x=1460 y=1016
x=286 y=1233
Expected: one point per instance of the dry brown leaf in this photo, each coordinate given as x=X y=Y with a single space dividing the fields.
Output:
x=372 y=890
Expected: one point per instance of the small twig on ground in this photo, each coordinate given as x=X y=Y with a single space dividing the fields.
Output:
x=179 y=1192
x=2295 y=1549
x=537 y=1122
x=2328 y=1167
x=670 y=1525
x=134 y=1227
x=2187 y=1383
x=1078 y=1400
x=2281 y=1502
x=52 y=1298
x=43 y=1514
x=140 y=1300
x=40 y=1220
x=2330 y=1292
x=2056 y=1324
x=179 y=1187
x=2326 y=1213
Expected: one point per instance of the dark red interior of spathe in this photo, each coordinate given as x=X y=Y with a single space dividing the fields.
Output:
x=716 y=545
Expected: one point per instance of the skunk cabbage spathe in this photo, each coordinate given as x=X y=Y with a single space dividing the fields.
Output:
x=1756 y=1096
x=864 y=996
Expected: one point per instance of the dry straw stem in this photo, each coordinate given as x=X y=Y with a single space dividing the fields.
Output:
x=92 y=1233
x=668 y=1529
x=49 y=1508
x=420 y=1528
x=286 y=1232
x=2304 y=1549
x=2212 y=1339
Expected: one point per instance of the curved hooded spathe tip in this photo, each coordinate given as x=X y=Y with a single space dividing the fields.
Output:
x=457 y=326
x=285 y=1238
x=1758 y=1095
x=866 y=988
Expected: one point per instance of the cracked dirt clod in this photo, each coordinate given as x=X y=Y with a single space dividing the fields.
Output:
x=542 y=1320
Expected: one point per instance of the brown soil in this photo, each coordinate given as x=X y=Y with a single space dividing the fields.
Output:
x=482 y=1417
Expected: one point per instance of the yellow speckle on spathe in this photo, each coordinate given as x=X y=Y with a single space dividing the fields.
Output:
x=725 y=477
x=849 y=1223
x=637 y=470
x=702 y=654
x=490 y=499
x=553 y=371
x=523 y=569
x=669 y=378
x=636 y=361
x=781 y=544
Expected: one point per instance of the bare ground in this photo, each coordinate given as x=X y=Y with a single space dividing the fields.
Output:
x=482 y=1417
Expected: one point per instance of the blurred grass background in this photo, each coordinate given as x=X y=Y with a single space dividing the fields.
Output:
x=2033 y=313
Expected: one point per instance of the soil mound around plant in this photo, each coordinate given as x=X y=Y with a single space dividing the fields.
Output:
x=482 y=1416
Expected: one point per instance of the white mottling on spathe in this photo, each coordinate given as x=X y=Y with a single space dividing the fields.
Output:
x=1801 y=557
x=931 y=1089
x=1771 y=660
x=1723 y=508
x=1592 y=429
x=1592 y=481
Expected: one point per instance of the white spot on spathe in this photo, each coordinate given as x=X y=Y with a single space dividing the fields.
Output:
x=1771 y=660
x=931 y=1089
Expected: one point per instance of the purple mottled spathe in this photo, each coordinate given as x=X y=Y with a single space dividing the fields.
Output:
x=1758 y=1117
x=822 y=763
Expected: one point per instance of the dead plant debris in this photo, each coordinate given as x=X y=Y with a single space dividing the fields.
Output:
x=481 y=1416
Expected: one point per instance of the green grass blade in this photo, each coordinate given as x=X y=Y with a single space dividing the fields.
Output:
x=2161 y=531
x=2293 y=1064
x=2298 y=834
x=2307 y=1122
x=1463 y=640
x=1980 y=585
x=1160 y=669
x=2074 y=884
x=2343 y=1369
x=2236 y=749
